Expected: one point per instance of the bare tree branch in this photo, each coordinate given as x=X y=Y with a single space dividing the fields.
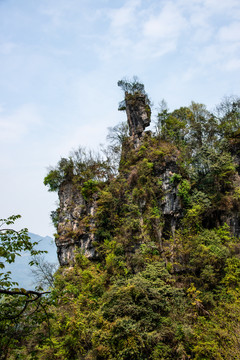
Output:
x=23 y=292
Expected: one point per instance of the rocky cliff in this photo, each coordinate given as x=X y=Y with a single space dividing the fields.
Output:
x=75 y=225
x=138 y=115
x=148 y=199
x=160 y=277
x=78 y=218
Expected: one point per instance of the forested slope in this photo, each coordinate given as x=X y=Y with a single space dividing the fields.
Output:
x=149 y=249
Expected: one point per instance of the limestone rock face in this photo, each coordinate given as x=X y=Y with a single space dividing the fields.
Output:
x=170 y=205
x=75 y=225
x=138 y=115
x=233 y=222
x=77 y=217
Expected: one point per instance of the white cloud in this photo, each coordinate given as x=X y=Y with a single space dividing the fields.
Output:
x=152 y=49
x=169 y=23
x=68 y=58
x=216 y=6
x=222 y=56
x=141 y=31
x=7 y=47
x=154 y=29
x=230 y=33
x=56 y=12
x=123 y=23
x=17 y=124
x=201 y=28
x=124 y=16
x=233 y=64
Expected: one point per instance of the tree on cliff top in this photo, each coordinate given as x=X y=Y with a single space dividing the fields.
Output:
x=132 y=87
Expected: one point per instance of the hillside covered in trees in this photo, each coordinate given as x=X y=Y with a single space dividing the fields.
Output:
x=148 y=241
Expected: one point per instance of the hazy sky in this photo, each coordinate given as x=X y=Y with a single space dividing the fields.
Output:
x=60 y=61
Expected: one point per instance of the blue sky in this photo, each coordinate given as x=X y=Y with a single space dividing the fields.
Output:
x=59 y=66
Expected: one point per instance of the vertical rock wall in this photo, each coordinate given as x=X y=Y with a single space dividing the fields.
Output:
x=170 y=205
x=76 y=225
x=138 y=115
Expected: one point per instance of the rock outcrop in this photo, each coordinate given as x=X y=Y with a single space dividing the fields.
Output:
x=75 y=225
x=138 y=115
x=170 y=204
x=77 y=216
x=149 y=180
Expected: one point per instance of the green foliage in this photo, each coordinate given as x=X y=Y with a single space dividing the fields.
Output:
x=232 y=273
x=175 y=179
x=80 y=167
x=184 y=192
x=134 y=315
x=213 y=169
x=55 y=217
x=203 y=255
x=132 y=88
x=191 y=126
x=217 y=335
x=165 y=284
x=228 y=114
x=12 y=244
x=53 y=180
x=174 y=126
x=199 y=205
x=89 y=188
x=21 y=310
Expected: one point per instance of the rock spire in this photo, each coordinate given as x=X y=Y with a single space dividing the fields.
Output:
x=138 y=115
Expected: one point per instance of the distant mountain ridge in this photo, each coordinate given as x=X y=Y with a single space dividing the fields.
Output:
x=21 y=271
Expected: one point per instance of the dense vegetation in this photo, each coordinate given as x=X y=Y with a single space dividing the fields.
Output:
x=155 y=291
x=20 y=309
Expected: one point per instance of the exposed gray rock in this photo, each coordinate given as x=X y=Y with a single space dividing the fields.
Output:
x=170 y=203
x=234 y=224
x=76 y=224
x=138 y=115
